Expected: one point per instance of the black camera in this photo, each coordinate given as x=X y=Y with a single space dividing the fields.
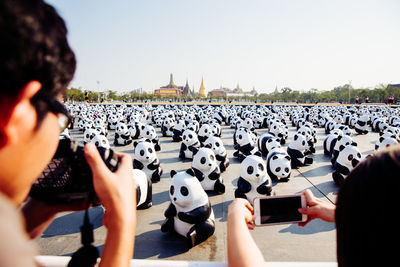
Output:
x=68 y=177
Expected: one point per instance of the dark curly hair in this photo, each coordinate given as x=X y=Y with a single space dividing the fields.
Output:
x=33 y=46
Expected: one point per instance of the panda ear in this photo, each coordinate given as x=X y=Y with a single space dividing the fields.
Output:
x=190 y=172
x=354 y=144
x=135 y=144
x=194 y=150
x=275 y=157
x=341 y=147
x=288 y=157
x=148 y=140
x=339 y=137
x=172 y=173
x=258 y=153
x=208 y=145
x=381 y=139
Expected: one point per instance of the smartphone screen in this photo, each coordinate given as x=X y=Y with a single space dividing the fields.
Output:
x=280 y=210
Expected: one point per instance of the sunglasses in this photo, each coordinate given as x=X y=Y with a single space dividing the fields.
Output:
x=64 y=118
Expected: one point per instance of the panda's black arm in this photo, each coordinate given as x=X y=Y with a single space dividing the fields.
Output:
x=243 y=185
x=264 y=188
x=137 y=164
x=199 y=175
x=171 y=211
x=220 y=158
x=215 y=174
x=183 y=147
x=197 y=215
x=154 y=165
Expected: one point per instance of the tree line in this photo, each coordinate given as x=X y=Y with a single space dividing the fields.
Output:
x=340 y=94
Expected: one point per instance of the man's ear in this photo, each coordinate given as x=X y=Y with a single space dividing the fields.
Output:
x=19 y=114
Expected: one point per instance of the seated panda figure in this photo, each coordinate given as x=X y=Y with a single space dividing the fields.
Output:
x=215 y=143
x=330 y=141
x=206 y=169
x=144 y=198
x=145 y=159
x=279 y=165
x=348 y=158
x=245 y=144
x=122 y=135
x=112 y=122
x=254 y=180
x=167 y=127
x=205 y=131
x=361 y=126
x=190 y=213
x=267 y=142
x=134 y=129
x=189 y=140
x=178 y=129
x=147 y=131
x=297 y=150
x=342 y=140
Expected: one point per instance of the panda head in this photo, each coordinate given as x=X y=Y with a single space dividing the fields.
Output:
x=243 y=136
x=279 y=165
x=189 y=137
x=121 y=128
x=203 y=159
x=144 y=150
x=385 y=141
x=298 y=142
x=349 y=156
x=148 y=131
x=180 y=125
x=215 y=143
x=344 y=140
x=205 y=130
x=101 y=141
x=186 y=191
x=253 y=169
x=89 y=134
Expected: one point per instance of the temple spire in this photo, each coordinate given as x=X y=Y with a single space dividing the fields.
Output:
x=202 y=91
x=171 y=82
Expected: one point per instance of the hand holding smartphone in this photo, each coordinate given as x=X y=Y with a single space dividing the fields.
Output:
x=279 y=209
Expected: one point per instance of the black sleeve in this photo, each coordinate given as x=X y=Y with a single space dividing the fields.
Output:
x=171 y=211
x=137 y=164
x=197 y=215
x=243 y=185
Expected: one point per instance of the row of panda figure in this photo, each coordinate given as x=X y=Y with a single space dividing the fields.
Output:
x=262 y=158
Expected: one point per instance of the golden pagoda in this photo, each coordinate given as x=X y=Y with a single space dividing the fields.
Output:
x=202 y=91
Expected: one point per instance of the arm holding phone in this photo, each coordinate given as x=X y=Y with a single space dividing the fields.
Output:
x=317 y=209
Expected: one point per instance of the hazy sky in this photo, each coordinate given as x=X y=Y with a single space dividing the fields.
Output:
x=306 y=44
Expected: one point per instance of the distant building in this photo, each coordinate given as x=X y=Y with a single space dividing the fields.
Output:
x=202 y=91
x=237 y=92
x=173 y=90
x=393 y=85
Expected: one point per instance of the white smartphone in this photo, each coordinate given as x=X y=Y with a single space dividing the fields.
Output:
x=279 y=209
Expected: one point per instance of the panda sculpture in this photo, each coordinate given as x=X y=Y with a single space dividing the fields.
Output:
x=167 y=127
x=145 y=158
x=330 y=141
x=178 y=129
x=89 y=134
x=134 y=129
x=254 y=180
x=205 y=131
x=215 y=143
x=144 y=198
x=206 y=170
x=147 y=131
x=122 y=135
x=279 y=165
x=385 y=141
x=189 y=140
x=361 y=126
x=267 y=142
x=344 y=140
x=297 y=150
x=245 y=144
x=190 y=213
x=348 y=158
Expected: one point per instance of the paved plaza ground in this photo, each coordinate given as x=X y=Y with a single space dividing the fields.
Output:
x=289 y=242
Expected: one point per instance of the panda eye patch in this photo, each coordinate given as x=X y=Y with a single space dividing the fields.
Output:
x=240 y=136
x=278 y=169
x=141 y=152
x=184 y=136
x=150 y=150
x=184 y=191
x=171 y=190
x=359 y=155
x=250 y=169
x=217 y=144
x=190 y=136
x=350 y=157
x=304 y=143
x=203 y=160
x=287 y=170
x=261 y=167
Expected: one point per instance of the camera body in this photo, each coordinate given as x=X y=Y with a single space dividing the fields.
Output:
x=68 y=177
